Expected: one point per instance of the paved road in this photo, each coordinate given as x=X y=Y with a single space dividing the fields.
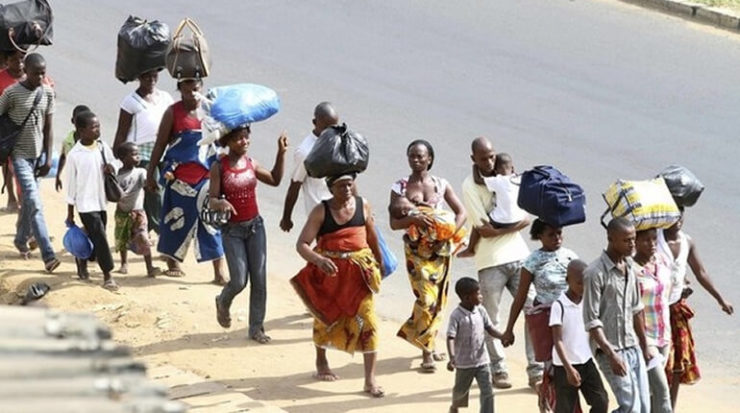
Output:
x=597 y=88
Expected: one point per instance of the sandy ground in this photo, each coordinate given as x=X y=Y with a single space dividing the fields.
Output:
x=171 y=323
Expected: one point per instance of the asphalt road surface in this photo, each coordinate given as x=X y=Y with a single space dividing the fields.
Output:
x=599 y=89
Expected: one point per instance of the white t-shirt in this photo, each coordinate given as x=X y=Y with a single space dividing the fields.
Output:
x=85 y=182
x=506 y=188
x=679 y=265
x=146 y=115
x=575 y=337
x=314 y=189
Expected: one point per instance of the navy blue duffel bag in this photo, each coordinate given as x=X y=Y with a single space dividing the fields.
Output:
x=552 y=196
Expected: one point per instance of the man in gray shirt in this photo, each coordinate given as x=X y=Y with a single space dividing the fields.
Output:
x=612 y=314
x=35 y=138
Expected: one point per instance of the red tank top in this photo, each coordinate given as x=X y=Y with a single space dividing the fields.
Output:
x=239 y=185
x=181 y=121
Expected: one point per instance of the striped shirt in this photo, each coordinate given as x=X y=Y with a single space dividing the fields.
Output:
x=17 y=101
x=654 y=280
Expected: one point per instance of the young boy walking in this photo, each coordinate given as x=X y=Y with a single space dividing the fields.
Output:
x=86 y=164
x=67 y=144
x=571 y=356
x=466 y=346
x=131 y=229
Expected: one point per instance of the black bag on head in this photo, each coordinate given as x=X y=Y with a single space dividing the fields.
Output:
x=338 y=151
x=25 y=23
x=142 y=46
x=684 y=186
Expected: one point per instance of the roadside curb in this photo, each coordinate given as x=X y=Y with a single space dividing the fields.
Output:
x=695 y=12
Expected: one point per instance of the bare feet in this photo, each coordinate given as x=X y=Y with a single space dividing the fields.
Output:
x=153 y=272
x=219 y=280
x=439 y=356
x=427 y=362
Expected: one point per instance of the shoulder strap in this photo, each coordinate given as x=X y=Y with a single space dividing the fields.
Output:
x=562 y=311
x=102 y=151
x=36 y=100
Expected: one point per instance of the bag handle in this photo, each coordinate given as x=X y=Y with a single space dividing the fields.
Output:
x=191 y=24
x=611 y=208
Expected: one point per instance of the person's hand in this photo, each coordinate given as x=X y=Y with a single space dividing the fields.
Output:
x=44 y=169
x=422 y=221
x=617 y=364
x=327 y=266
x=70 y=221
x=151 y=185
x=726 y=307
x=574 y=378
x=286 y=224
x=508 y=338
x=108 y=169
x=58 y=184
x=283 y=142
x=224 y=206
x=451 y=365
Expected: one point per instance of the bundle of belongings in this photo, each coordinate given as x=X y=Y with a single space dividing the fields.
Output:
x=25 y=24
x=142 y=45
x=188 y=57
x=552 y=196
x=647 y=204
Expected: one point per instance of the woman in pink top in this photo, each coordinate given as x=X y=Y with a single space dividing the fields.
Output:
x=234 y=189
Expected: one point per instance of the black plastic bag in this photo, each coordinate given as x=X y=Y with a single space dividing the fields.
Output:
x=338 y=151
x=25 y=23
x=683 y=185
x=142 y=46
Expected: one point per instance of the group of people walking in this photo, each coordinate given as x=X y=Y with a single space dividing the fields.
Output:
x=624 y=315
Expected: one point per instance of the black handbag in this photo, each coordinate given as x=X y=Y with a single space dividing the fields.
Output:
x=214 y=217
x=113 y=191
x=10 y=130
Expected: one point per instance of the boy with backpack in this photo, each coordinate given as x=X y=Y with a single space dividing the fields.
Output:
x=571 y=355
x=87 y=163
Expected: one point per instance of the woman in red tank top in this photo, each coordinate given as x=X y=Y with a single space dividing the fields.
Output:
x=234 y=189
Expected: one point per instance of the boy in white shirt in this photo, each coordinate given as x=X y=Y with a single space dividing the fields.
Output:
x=571 y=354
x=466 y=345
x=86 y=164
x=504 y=184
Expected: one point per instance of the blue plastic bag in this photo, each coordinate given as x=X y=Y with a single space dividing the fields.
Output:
x=77 y=243
x=244 y=103
x=390 y=262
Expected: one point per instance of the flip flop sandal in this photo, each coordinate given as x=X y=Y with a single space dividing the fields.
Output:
x=52 y=265
x=174 y=273
x=110 y=285
x=428 y=367
x=439 y=356
x=375 y=391
x=261 y=338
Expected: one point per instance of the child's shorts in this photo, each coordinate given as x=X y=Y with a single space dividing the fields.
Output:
x=132 y=232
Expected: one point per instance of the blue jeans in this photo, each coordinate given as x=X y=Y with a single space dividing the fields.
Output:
x=245 y=246
x=31 y=218
x=632 y=391
x=463 y=381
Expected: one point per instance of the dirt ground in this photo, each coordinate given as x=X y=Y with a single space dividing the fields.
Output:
x=171 y=323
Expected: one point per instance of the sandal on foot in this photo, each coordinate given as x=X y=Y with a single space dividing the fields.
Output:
x=428 y=367
x=110 y=285
x=174 y=273
x=219 y=281
x=52 y=265
x=85 y=276
x=122 y=270
x=439 y=356
x=374 y=391
x=325 y=376
x=154 y=272
x=222 y=315
x=261 y=338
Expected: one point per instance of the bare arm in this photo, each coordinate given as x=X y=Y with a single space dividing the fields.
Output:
x=308 y=235
x=638 y=319
x=286 y=223
x=697 y=267
x=516 y=306
x=451 y=352
x=274 y=176
x=60 y=168
x=48 y=132
x=163 y=139
x=124 y=126
x=488 y=231
x=557 y=338
x=457 y=207
x=408 y=220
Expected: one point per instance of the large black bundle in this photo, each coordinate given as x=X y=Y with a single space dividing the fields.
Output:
x=142 y=46
x=338 y=151
x=683 y=185
x=24 y=24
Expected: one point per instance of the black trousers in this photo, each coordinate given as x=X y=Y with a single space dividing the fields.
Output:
x=94 y=223
x=591 y=387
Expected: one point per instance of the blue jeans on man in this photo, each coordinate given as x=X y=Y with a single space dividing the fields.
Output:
x=31 y=219
x=245 y=247
x=632 y=390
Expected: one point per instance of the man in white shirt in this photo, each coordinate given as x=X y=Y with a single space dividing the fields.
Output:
x=498 y=258
x=314 y=189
